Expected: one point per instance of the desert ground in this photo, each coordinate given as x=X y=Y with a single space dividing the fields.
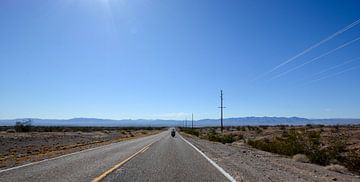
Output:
x=336 y=148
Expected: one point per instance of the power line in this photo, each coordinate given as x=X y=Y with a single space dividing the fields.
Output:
x=316 y=58
x=311 y=48
x=332 y=75
x=337 y=66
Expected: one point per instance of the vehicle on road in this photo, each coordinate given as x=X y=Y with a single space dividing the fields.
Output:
x=173 y=132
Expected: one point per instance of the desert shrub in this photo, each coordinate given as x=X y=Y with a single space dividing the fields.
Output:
x=352 y=161
x=253 y=128
x=337 y=146
x=337 y=168
x=301 y=158
x=227 y=138
x=212 y=135
x=191 y=131
x=293 y=142
x=308 y=142
x=10 y=130
x=122 y=132
x=259 y=130
x=222 y=138
x=325 y=155
x=23 y=126
x=259 y=144
x=47 y=129
x=282 y=127
x=239 y=136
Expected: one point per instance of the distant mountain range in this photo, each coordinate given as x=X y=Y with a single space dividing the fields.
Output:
x=168 y=123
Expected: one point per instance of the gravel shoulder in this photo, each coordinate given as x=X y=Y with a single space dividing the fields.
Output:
x=247 y=164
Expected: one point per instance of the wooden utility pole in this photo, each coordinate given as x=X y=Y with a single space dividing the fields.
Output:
x=192 y=120
x=221 y=108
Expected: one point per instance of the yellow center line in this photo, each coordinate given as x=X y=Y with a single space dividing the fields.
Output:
x=104 y=174
x=145 y=149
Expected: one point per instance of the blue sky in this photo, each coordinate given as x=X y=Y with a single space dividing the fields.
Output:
x=122 y=59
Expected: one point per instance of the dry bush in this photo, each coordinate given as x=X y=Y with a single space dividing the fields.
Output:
x=301 y=158
x=352 y=160
x=293 y=142
x=191 y=131
x=222 y=138
x=337 y=168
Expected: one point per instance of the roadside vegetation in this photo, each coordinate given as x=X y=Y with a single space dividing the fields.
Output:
x=190 y=131
x=319 y=144
x=212 y=135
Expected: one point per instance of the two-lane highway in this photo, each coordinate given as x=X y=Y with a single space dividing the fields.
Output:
x=154 y=158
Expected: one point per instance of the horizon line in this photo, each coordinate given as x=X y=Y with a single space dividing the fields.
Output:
x=351 y=118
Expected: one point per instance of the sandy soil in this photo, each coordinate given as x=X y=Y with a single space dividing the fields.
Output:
x=248 y=164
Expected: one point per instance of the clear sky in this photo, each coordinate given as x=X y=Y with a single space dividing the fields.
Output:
x=120 y=59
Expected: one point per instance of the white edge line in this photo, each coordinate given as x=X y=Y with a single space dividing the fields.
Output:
x=227 y=175
x=65 y=155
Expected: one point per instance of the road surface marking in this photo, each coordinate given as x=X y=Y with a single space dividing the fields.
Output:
x=65 y=155
x=145 y=150
x=104 y=174
x=227 y=175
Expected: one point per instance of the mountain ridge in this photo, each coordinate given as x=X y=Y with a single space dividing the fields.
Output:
x=234 y=121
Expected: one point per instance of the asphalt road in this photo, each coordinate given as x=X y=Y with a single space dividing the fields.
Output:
x=166 y=159
x=170 y=159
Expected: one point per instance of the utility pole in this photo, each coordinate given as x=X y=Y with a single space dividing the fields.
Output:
x=221 y=108
x=192 y=120
x=186 y=123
